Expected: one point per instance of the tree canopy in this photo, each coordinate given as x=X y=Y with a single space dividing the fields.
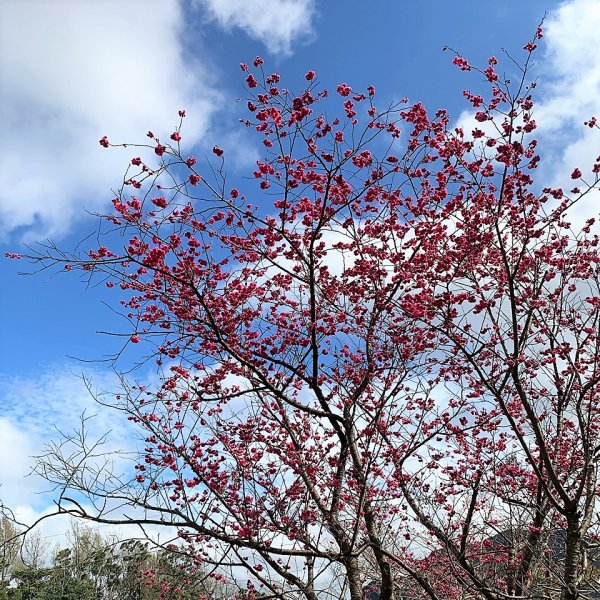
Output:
x=374 y=361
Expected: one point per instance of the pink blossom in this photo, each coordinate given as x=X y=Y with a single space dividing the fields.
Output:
x=344 y=89
x=161 y=202
x=461 y=62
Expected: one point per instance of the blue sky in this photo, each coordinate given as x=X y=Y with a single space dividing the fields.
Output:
x=72 y=71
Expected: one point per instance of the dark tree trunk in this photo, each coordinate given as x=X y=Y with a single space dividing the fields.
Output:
x=572 y=575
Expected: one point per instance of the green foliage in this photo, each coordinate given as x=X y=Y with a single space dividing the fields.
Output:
x=93 y=568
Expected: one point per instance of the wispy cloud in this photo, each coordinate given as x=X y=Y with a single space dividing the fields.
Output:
x=275 y=23
x=35 y=410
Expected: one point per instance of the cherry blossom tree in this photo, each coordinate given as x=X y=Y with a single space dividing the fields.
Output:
x=379 y=364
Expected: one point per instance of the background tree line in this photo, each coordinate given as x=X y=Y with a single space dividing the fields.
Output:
x=96 y=567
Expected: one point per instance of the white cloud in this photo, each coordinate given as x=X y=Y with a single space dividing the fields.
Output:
x=71 y=72
x=16 y=448
x=570 y=67
x=570 y=95
x=58 y=397
x=276 y=23
x=33 y=411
